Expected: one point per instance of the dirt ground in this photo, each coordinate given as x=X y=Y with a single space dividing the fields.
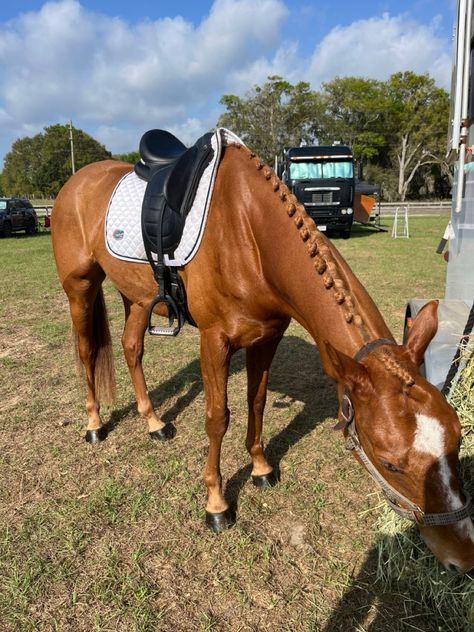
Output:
x=112 y=537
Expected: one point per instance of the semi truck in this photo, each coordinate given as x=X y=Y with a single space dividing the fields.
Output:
x=322 y=178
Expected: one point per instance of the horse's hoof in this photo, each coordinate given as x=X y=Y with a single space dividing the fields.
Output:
x=164 y=434
x=220 y=521
x=96 y=435
x=265 y=481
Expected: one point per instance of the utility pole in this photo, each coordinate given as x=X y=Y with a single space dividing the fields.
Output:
x=72 y=148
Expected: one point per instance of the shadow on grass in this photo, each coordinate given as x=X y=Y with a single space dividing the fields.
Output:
x=361 y=230
x=422 y=596
x=296 y=375
x=189 y=376
x=21 y=235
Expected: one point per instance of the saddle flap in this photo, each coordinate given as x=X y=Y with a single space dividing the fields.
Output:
x=181 y=184
x=142 y=170
x=172 y=185
x=158 y=219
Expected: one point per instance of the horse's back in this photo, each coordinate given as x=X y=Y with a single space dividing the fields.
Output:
x=93 y=183
x=78 y=214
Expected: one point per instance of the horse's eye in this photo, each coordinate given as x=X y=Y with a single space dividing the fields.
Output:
x=390 y=466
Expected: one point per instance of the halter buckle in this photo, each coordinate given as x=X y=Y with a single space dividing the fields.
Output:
x=347 y=412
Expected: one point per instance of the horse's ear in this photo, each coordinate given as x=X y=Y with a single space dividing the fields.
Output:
x=422 y=332
x=345 y=369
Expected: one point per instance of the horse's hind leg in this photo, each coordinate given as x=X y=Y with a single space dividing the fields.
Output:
x=259 y=359
x=136 y=320
x=215 y=360
x=93 y=344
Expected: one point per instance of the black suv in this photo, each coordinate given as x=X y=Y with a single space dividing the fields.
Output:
x=17 y=214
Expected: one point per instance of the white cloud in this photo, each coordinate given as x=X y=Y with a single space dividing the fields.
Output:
x=116 y=79
x=102 y=68
x=67 y=62
x=380 y=46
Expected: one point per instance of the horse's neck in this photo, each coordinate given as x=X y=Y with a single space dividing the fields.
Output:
x=313 y=282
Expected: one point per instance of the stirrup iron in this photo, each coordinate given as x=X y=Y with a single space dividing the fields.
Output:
x=173 y=317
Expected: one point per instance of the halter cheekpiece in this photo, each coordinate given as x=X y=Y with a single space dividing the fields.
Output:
x=402 y=505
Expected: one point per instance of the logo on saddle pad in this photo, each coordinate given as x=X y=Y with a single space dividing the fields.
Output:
x=118 y=234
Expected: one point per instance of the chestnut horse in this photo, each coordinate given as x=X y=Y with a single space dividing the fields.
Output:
x=262 y=262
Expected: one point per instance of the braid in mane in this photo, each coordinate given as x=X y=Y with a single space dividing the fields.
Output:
x=392 y=365
x=324 y=263
x=317 y=247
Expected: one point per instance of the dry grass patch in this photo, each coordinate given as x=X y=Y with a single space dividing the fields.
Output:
x=112 y=537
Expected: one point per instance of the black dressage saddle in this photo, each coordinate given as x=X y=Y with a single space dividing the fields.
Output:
x=173 y=172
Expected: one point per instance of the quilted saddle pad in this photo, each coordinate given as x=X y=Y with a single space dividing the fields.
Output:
x=123 y=228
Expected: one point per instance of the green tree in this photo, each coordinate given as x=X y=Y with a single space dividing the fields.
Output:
x=396 y=127
x=132 y=157
x=273 y=116
x=356 y=111
x=41 y=164
x=417 y=125
x=56 y=166
x=21 y=165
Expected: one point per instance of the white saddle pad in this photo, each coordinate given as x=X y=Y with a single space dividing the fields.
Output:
x=123 y=229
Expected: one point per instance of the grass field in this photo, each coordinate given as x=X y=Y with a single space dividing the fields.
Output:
x=111 y=537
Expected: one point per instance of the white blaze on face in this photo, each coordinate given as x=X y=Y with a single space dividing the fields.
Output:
x=429 y=436
x=429 y=439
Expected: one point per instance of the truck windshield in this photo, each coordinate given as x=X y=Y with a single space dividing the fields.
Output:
x=3 y=205
x=302 y=170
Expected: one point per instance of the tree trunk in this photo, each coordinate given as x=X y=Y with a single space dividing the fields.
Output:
x=401 y=169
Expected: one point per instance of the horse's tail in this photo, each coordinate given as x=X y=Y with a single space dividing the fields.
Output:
x=104 y=371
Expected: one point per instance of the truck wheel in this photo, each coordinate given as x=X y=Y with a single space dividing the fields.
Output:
x=30 y=228
x=7 y=230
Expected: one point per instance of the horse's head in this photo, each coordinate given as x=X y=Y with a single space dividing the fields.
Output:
x=404 y=432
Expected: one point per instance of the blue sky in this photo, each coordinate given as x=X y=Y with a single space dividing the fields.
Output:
x=119 y=68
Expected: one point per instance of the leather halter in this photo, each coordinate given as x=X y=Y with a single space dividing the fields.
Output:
x=402 y=505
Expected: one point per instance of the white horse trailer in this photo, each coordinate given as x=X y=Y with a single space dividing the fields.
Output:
x=447 y=352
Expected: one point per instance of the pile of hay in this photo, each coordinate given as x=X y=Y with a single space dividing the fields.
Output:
x=405 y=564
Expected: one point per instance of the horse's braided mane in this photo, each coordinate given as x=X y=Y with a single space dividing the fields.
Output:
x=393 y=366
x=324 y=263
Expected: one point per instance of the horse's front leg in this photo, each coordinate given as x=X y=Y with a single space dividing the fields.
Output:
x=259 y=359
x=215 y=359
x=136 y=320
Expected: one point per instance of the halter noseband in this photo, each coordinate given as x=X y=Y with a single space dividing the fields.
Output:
x=407 y=509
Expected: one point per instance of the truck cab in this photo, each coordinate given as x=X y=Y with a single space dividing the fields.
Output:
x=17 y=214
x=322 y=178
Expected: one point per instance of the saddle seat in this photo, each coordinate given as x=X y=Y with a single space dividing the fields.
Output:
x=157 y=149
x=172 y=171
